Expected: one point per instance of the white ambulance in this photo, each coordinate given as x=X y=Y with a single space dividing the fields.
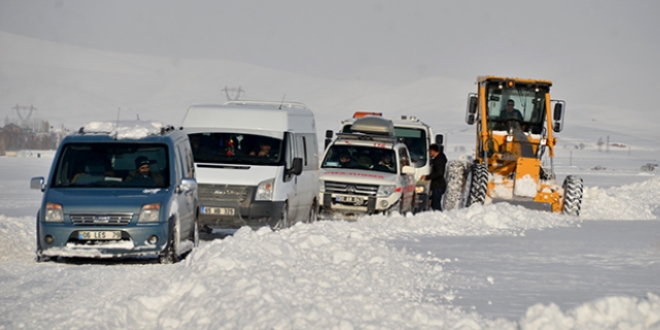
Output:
x=417 y=136
x=256 y=163
x=367 y=171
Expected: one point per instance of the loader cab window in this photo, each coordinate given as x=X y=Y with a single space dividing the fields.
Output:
x=529 y=100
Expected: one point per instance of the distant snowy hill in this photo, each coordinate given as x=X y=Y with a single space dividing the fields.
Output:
x=72 y=85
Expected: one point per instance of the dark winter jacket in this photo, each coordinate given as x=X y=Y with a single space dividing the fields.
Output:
x=437 y=175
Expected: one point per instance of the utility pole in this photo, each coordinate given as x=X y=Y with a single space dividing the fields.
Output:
x=24 y=119
x=607 y=147
x=237 y=92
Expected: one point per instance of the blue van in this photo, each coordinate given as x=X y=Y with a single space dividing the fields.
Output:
x=119 y=190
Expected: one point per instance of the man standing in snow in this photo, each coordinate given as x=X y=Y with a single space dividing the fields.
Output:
x=437 y=176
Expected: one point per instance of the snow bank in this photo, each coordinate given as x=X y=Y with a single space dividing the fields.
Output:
x=17 y=238
x=606 y=313
x=477 y=220
x=127 y=129
x=331 y=275
x=637 y=201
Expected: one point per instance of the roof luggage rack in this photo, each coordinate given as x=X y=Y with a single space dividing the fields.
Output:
x=369 y=137
x=145 y=128
x=269 y=103
x=373 y=125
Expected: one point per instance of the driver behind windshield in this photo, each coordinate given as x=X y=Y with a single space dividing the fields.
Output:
x=142 y=175
x=511 y=113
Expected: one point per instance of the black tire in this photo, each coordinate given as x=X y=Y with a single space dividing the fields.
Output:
x=573 y=189
x=397 y=207
x=195 y=235
x=282 y=221
x=478 y=185
x=313 y=213
x=39 y=251
x=451 y=199
x=169 y=255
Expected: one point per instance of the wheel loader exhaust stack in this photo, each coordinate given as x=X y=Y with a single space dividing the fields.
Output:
x=515 y=123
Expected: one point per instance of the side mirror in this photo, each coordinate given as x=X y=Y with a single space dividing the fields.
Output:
x=558 y=115
x=471 y=112
x=297 y=166
x=408 y=170
x=440 y=139
x=327 y=143
x=37 y=183
x=187 y=185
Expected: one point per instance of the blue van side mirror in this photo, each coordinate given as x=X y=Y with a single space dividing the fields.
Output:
x=187 y=185
x=37 y=183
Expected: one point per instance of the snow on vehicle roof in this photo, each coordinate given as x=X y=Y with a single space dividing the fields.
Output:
x=125 y=129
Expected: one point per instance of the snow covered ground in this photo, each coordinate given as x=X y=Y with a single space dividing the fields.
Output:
x=497 y=266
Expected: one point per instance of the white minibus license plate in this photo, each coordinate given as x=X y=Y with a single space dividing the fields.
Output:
x=99 y=235
x=218 y=210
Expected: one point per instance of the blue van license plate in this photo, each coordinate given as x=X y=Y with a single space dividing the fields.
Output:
x=99 y=235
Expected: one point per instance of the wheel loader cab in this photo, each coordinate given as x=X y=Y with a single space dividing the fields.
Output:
x=528 y=101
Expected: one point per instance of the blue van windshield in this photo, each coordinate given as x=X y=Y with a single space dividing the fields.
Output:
x=116 y=165
x=236 y=148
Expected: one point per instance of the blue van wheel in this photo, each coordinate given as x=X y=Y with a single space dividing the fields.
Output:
x=169 y=256
x=40 y=257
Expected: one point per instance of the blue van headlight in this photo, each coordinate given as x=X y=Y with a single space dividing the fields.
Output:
x=265 y=190
x=54 y=213
x=150 y=213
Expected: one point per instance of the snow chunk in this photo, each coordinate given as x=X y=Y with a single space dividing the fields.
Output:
x=637 y=201
x=606 y=313
x=127 y=129
x=525 y=187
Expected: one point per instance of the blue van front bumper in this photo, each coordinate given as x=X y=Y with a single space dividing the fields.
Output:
x=134 y=240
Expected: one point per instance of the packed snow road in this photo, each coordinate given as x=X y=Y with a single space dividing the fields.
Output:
x=496 y=266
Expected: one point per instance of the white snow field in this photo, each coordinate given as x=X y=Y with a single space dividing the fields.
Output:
x=498 y=266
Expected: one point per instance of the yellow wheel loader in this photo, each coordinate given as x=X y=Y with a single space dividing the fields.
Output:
x=515 y=135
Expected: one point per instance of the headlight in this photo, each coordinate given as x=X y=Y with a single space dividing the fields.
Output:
x=322 y=186
x=419 y=189
x=54 y=213
x=385 y=191
x=265 y=190
x=150 y=213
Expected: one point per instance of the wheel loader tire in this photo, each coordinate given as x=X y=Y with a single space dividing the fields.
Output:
x=573 y=188
x=478 y=185
x=451 y=200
